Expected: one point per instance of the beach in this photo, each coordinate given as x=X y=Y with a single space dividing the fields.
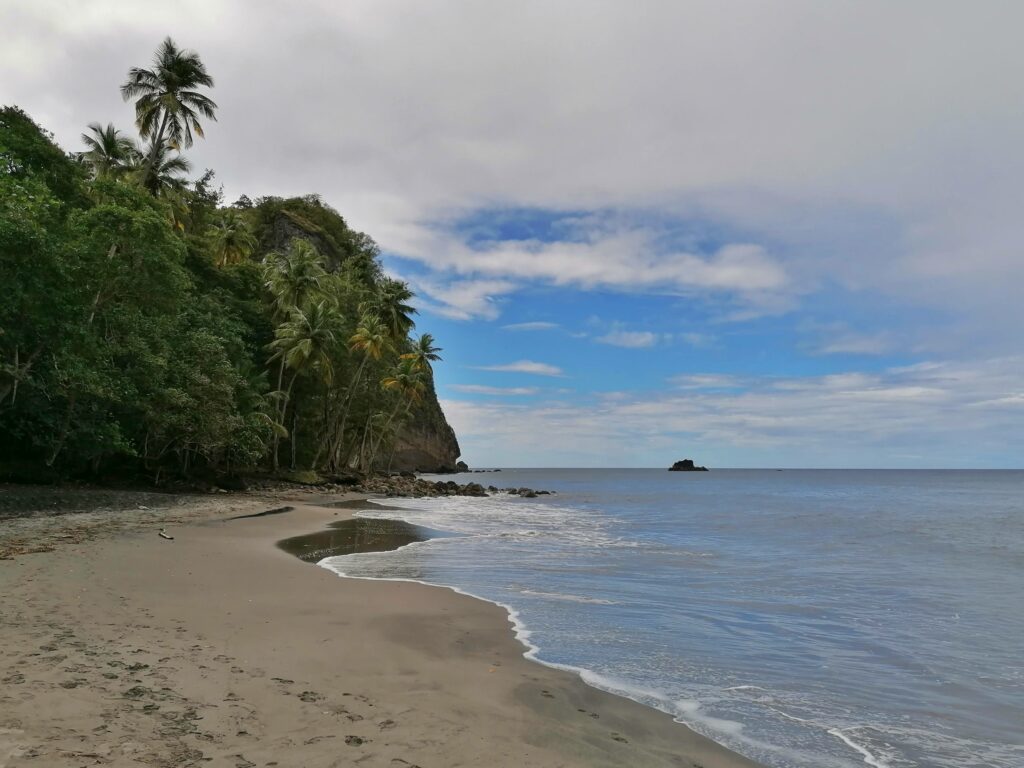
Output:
x=119 y=647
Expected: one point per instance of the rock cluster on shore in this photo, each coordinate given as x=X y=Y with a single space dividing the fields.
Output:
x=400 y=484
x=404 y=485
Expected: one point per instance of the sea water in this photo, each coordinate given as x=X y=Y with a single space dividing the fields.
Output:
x=803 y=618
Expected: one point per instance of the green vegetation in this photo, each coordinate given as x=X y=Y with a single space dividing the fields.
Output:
x=147 y=329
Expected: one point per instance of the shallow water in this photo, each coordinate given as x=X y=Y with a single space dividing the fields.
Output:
x=804 y=618
x=360 y=534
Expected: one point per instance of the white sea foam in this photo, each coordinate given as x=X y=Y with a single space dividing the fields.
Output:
x=569 y=598
x=869 y=758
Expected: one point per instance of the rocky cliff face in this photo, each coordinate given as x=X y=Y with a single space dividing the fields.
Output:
x=427 y=443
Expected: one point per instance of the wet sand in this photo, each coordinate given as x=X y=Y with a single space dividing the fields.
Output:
x=219 y=648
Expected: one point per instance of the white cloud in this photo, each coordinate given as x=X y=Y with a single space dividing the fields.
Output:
x=480 y=389
x=462 y=299
x=855 y=344
x=626 y=259
x=1013 y=401
x=629 y=339
x=704 y=381
x=526 y=366
x=531 y=326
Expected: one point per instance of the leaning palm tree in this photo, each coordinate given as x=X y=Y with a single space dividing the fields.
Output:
x=167 y=104
x=302 y=343
x=408 y=380
x=109 y=154
x=423 y=352
x=371 y=341
x=233 y=240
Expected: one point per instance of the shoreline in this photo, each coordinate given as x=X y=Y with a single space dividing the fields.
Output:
x=106 y=653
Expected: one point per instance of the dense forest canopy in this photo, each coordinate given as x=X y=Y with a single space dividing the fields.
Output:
x=146 y=327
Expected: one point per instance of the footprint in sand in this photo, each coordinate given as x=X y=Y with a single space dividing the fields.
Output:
x=547 y=694
x=619 y=738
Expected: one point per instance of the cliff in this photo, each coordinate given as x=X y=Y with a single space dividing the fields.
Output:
x=426 y=443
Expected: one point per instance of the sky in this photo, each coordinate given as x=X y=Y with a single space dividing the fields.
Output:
x=754 y=234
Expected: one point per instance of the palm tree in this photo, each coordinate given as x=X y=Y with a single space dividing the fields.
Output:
x=294 y=279
x=371 y=341
x=423 y=353
x=391 y=305
x=233 y=240
x=109 y=154
x=408 y=380
x=305 y=339
x=302 y=343
x=162 y=172
x=167 y=104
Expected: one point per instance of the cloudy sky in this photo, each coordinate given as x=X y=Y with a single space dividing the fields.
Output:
x=757 y=234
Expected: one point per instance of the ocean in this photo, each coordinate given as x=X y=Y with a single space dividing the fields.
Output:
x=805 y=618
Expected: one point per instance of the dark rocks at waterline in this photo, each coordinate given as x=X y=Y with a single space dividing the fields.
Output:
x=461 y=466
x=526 y=493
x=451 y=488
x=416 y=487
x=686 y=465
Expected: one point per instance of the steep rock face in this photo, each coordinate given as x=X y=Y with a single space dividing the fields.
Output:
x=288 y=226
x=426 y=443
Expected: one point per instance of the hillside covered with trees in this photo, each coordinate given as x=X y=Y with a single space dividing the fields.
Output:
x=149 y=330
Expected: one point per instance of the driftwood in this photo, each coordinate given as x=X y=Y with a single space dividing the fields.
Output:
x=163 y=535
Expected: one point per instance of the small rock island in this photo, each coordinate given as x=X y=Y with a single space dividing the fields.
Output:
x=686 y=465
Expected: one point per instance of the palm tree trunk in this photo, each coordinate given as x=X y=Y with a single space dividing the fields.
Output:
x=339 y=440
x=65 y=428
x=387 y=425
x=362 y=446
x=324 y=436
x=280 y=416
x=154 y=147
x=99 y=292
x=295 y=431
